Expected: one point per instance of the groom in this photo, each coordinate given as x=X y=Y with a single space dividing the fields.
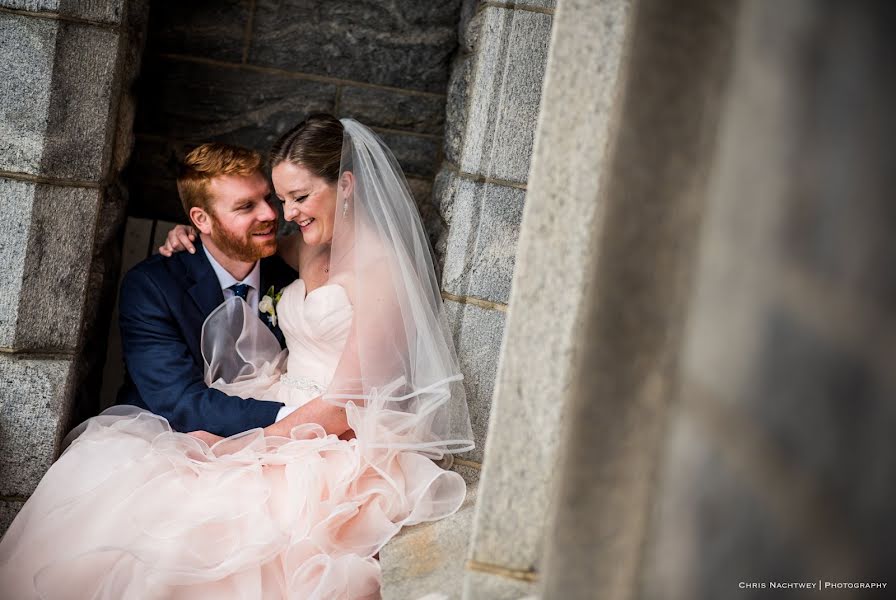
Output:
x=164 y=301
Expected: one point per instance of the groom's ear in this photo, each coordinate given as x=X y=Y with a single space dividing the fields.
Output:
x=201 y=220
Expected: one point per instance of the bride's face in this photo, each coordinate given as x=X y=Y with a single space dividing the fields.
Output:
x=308 y=201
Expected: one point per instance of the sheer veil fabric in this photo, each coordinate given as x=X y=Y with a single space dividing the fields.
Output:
x=399 y=376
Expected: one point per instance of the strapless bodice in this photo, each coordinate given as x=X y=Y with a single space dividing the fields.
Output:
x=315 y=326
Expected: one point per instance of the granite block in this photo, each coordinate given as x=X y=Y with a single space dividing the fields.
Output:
x=405 y=43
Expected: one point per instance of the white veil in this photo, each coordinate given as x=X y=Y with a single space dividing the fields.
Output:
x=399 y=376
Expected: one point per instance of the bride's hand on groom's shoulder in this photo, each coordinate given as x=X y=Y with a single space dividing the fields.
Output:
x=180 y=238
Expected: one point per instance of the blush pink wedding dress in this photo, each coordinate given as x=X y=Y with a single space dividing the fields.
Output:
x=134 y=510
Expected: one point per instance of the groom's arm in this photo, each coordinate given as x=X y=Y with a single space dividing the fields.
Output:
x=165 y=373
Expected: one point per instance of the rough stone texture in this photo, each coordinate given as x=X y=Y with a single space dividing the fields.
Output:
x=191 y=101
x=421 y=190
x=105 y=266
x=187 y=99
x=486 y=586
x=48 y=251
x=393 y=109
x=32 y=417
x=100 y=11
x=460 y=80
x=56 y=89
x=429 y=558
x=81 y=120
x=456 y=107
x=503 y=103
x=788 y=363
x=479 y=247
x=404 y=43
x=545 y=315
x=477 y=336
x=8 y=511
x=56 y=282
x=469 y=473
x=417 y=155
x=214 y=29
x=16 y=204
x=26 y=63
x=547 y=4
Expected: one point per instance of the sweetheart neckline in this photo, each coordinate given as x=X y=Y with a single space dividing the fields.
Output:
x=307 y=294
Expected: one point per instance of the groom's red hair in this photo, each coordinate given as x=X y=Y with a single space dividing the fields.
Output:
x=208 y=161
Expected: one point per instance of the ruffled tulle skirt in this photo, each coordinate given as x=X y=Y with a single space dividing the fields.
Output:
x=134 y=510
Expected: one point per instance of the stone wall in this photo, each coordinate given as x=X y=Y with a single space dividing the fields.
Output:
x=730 y=413
x=245 y=71
x=480 y=189
x=64 y=138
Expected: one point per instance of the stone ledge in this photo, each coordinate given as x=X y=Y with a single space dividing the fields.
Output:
x=479 y=585
x=429 y=558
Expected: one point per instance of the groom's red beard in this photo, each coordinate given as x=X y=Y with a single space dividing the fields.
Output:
x=245 y=248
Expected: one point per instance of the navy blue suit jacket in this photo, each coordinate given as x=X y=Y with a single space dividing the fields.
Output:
x=162 y=306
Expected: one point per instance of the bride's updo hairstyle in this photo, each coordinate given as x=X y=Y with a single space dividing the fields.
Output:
x=315 y=143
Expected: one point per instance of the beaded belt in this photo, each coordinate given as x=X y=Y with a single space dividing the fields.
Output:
x=305 y=384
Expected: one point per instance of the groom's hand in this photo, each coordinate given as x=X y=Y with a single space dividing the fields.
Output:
x=179 y=238
x=208 y=438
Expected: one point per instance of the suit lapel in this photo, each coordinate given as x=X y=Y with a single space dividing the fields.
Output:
x=206 y=289
x=274 y=272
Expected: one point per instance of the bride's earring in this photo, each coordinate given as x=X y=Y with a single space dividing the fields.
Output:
x=345 y=208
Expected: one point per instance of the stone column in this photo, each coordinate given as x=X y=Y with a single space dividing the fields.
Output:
x=644 y=246
x=730 y=413
x=64 y=136
x=561 y=227
x=777 y=465
x=492 y=113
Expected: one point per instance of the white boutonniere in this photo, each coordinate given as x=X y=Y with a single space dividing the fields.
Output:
x=268 y=305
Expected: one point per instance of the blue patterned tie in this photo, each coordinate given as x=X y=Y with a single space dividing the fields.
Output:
x=241 y=290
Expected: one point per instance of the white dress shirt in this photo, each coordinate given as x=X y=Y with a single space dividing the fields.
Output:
x=253 y=280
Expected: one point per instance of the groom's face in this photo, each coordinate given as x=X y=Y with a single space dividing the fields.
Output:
x=243 y=223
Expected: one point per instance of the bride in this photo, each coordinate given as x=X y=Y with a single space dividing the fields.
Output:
x=133 y=509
